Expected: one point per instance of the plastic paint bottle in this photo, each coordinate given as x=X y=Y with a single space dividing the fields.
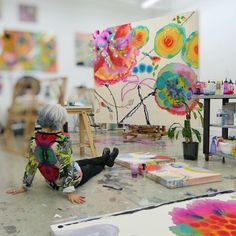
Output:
x=225 y=86
x=212 y=88
x=218 y=88
x=231 y=87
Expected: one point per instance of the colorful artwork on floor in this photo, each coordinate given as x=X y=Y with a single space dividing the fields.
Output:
x=83 y=49
x=145 y=70
x=125 y=159
x=180 y=174
x=28 y=51
x=201 y=216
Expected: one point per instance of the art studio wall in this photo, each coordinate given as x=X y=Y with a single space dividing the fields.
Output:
x=67 y=17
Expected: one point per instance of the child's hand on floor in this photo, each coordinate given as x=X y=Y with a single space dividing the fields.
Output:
x=16 y=190
x=75 y=198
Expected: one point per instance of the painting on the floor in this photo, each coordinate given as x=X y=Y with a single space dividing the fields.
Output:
x=28 y=51
x=27 y=13
x=125 y=159
x=201 y=216
x=83 y=49
x=145 y=70
x=180 y=174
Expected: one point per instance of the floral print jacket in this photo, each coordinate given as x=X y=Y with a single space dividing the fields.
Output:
x=51 y=153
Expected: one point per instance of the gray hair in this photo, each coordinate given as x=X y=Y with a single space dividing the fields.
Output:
x=52 y=116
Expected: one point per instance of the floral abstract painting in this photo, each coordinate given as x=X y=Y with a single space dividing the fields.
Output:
x=83 y=49
x=28 y=51
x=211 y=217
x=144 y=70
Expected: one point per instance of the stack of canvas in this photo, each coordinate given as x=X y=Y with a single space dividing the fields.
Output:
x=141 y=158
x=178 y=174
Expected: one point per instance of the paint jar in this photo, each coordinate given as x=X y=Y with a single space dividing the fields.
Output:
x=134 y=169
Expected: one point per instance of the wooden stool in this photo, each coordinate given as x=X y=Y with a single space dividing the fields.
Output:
x=84 y=127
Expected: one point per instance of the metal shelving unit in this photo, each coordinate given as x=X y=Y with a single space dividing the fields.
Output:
x=207 y=125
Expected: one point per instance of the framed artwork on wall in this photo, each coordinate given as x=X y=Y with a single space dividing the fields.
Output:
x=27 y=13
x=83 y=49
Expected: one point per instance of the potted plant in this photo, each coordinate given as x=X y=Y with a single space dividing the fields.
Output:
x=190 y=148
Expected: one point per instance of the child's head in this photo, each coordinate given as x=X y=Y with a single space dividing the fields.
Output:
x=52 y=117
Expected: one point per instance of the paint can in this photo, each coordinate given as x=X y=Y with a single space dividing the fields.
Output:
x=134 y=169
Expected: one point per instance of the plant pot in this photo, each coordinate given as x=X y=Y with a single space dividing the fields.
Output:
x=190 y=150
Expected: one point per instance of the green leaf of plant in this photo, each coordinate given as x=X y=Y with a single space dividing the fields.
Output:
x=201 y=117
x=178 y=21
x=174 y=19
x=153 y=74
x=200 y=104
x=187 y=133
x=198 y=135
x=177 y=134
x=194 y=114
x=156 y=67
x=171 y=132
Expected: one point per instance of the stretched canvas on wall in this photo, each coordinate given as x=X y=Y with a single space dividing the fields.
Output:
x=144 y=70
x=28 y=51
x=27 y=13
x=83 y=49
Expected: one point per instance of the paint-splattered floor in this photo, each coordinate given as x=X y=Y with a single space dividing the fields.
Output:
x=32 y=213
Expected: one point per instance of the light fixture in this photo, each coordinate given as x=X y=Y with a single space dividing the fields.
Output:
x=148 y=3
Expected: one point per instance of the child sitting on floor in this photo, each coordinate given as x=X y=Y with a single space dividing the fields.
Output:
x=50 y=151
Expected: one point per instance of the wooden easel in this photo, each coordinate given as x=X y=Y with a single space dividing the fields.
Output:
x=84 y=128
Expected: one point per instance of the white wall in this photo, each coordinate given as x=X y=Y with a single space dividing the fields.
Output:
x=65 y=17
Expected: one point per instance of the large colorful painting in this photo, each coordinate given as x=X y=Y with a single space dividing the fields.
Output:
x=83 y=49
x=28 y=51
x=145 y=70
x=201 y=216
x=180 y=174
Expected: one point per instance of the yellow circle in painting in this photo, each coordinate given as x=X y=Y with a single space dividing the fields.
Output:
x=190 y=50
x=140 y=36
x=169 y=40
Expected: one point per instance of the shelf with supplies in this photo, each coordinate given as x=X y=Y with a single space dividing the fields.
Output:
x=206 y=122
x=224 y=126
x=223 y=155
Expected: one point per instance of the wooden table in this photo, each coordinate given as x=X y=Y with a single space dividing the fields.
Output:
x=84 y=127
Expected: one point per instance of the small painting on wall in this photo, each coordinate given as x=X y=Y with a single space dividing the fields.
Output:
x=83 y=49
x=27 y=13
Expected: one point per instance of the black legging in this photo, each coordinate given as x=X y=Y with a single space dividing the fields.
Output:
x=91 y=167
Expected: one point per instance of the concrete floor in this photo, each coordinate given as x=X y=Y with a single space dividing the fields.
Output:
x=32 y=213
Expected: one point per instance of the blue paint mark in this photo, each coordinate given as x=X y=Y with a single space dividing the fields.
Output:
x=142 y=68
